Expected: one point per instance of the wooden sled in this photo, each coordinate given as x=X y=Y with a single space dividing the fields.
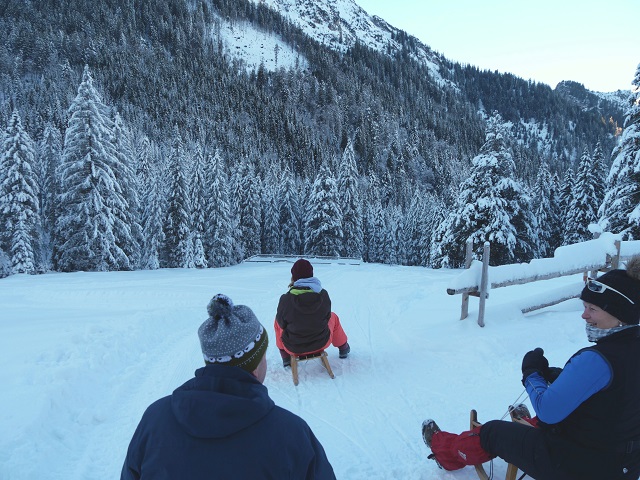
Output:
x=295 y=359
x=512 y=470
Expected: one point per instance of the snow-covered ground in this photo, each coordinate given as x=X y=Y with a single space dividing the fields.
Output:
x=83 y=355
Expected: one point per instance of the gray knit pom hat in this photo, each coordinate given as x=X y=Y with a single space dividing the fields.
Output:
x=232 y=335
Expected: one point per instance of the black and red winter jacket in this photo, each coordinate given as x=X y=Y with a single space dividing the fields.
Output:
x=304 y=316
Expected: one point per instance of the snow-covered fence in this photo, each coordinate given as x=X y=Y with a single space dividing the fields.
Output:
x=598 y=255
x=314 y=259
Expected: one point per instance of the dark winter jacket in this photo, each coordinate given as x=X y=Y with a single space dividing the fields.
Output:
x=595 y=402
x=304 y=316
x=612 y=416
x=223 y=425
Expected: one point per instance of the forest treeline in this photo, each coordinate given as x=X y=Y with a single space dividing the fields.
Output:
x=133 y=140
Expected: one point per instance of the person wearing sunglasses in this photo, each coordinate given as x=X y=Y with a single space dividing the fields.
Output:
x=587 y=413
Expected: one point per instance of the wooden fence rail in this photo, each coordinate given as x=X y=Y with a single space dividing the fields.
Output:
x=609 y=261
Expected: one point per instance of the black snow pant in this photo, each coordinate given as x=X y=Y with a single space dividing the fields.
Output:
x=544 y=455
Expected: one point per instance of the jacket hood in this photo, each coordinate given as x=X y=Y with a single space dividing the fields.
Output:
x=219 y=402
x=312 y=283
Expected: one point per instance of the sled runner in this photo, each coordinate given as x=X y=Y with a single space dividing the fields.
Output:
x=309 y=356
x=512 y=470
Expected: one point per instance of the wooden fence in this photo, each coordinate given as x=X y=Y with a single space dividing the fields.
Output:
x=315 y=259
x=553 y=268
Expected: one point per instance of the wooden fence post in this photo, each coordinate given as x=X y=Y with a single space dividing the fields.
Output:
x=615 y=261
x=594 y=273
x=484 y=283
x=482 y=291
x=464 y=312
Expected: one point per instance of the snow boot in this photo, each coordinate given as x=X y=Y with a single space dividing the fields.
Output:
x=343 y=351
x=286 y=358
x=429 y=428
x=519 y=411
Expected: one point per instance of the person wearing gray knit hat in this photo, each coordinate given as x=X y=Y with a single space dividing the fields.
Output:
x=222 y=423
x=232 y=335
x=587 y=413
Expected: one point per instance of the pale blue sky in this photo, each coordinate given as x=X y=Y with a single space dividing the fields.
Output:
x=592 y=42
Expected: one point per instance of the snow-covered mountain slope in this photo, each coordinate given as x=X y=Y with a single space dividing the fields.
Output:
x=255 y=47
x=340 y=23
x=619 y=97
x=588 y=99
x=335 y=23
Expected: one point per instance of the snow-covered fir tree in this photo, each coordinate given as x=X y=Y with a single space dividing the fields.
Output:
x=289 y=217
x=601 y=172
x=129 y=231
x=144 y=167
x=5 y=264
x=199 y=255
x=219 y=240
x=153 y=233
x=50 y=152
x=520 y=212
x=556 y=227
x=546 y=211
x=91 y=201
x=145 y=174
x=620 y=211
x=437 y=256
x=150 y=188
x=371 y=197
x=19 y=204
x=566 y=199
x=583 y=210
x=246 y=195
x=323 y=221
x=418 y=228
x=178 y=244
x=271 y=236
x=395 y=221
x=491 y=206
x=350 y=203
x=199 y=207
x=377 y=232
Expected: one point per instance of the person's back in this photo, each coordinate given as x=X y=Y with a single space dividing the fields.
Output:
x=304 y=315
x=222 y=424
x=304 y=322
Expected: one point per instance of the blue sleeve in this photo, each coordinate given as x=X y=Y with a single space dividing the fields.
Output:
x=585 y=374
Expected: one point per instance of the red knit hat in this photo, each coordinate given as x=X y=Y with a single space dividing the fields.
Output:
x=301 y=269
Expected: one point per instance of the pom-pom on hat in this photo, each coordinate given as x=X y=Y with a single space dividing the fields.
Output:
x=627 y=284
x=232 y=335
x=301 y=269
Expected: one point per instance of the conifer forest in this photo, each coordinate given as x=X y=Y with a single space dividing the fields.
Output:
x=132 y=139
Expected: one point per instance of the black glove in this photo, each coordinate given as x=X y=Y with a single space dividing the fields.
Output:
x=551 y=373
x=534 y=361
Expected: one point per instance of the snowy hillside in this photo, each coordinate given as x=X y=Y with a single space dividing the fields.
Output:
x=339 y=24
x=83 y=354
x=256 y=47
x=598 y=101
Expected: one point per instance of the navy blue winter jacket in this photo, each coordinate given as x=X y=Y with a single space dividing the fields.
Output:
x=223 y=425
